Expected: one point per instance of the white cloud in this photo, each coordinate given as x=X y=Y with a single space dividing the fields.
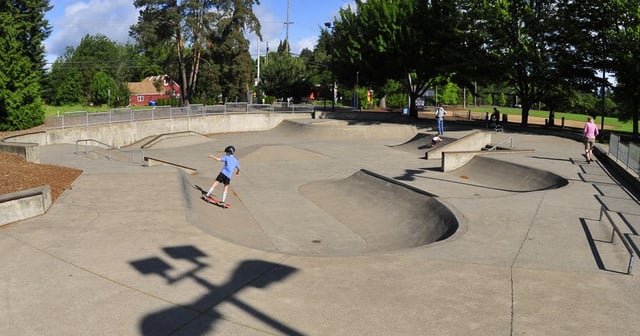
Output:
x=72 y=21
x=308 y=43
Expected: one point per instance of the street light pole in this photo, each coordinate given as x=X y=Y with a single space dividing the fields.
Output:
x=333 y=78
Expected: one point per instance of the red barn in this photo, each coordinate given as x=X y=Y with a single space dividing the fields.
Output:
x=151 y=89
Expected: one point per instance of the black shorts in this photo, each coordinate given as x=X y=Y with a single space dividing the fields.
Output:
x=222 y=178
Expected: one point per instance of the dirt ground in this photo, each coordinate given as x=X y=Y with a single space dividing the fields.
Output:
x=17 y=174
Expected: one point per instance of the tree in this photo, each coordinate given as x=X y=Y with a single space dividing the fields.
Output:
x=415 y=42
x=626 y=53
x=518 y=38
x=23 y=30
x=284 y=75
x=188 y=28
x=72 y=74
x=102 y=88
x=582 y=43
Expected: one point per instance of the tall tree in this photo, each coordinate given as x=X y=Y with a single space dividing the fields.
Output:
x=584 y=41
x=186 y=27
x=415 y=42
x=23 y=30
x=519 y=38
x=285 y=75
x=625 y=55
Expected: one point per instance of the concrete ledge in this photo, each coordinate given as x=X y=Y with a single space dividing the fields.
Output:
x=150 y=162
x=471 y=142
x=24 y=204
x=29 y=151
x=454 y=160
x=35 y=137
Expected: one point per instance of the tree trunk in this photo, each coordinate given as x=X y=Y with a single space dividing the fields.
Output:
x=184 y=97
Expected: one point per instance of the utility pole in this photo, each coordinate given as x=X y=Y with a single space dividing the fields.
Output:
x=258 y=75
x=333 y=75
x=287 y=24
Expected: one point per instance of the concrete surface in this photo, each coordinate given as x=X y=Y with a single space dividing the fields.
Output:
x=132 y=250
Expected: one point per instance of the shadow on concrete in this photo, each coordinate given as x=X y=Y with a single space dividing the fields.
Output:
x=199 y=317
x=597 y=257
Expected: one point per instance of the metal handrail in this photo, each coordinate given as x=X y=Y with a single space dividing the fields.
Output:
x=108 y=147
x=510 y=139
x=616 y=230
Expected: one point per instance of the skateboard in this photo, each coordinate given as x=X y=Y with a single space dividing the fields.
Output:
x=215 y=201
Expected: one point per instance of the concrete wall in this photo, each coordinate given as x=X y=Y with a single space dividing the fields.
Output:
x=359 y=115
x=471 y=142
x=29 y=151
x=122 y=134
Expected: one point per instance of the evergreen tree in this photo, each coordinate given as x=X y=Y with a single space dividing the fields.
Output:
x=22 y=32
x=187 y=29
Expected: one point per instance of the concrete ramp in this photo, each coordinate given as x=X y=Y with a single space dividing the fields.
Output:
x=170 y=140
x=362 y=214
x=387 y=215
x=421 y=143
x=279 y=153
x=503 y=175
x=326 y=129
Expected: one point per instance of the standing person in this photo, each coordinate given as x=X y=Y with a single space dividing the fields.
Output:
x=589 y=133
x=231 y=164
x=495 y=116
x=440 y=112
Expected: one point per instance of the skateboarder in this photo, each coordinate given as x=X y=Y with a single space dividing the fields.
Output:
x=231 y=164
x=589 y=133
x=434 y=141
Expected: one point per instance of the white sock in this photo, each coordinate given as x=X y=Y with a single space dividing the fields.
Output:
x=224 y=196
x=210 y=192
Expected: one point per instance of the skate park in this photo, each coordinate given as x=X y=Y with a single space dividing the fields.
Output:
x=337 y=227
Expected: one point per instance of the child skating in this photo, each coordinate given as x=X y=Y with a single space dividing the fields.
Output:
x=230 y=166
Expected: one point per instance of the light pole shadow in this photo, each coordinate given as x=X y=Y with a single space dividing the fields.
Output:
x=199 y=317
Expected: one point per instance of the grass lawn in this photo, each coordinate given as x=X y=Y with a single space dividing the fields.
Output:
x=610 y=121
x=52 y=111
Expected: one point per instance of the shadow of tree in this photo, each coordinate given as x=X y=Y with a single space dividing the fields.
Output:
x=200 y=316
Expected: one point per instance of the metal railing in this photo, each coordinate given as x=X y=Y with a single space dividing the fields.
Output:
x=626 y=153
x=98 y=145
x=496 y=146
x=616 y=231
x=83 y=118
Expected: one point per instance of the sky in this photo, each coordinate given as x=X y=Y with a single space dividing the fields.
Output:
x=73 y=19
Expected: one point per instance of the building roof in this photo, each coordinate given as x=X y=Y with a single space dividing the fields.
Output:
x=146 y=87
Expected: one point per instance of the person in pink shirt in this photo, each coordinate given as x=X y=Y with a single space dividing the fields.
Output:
x=589 y=133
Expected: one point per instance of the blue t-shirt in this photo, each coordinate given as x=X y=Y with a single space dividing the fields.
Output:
x=230 y=164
